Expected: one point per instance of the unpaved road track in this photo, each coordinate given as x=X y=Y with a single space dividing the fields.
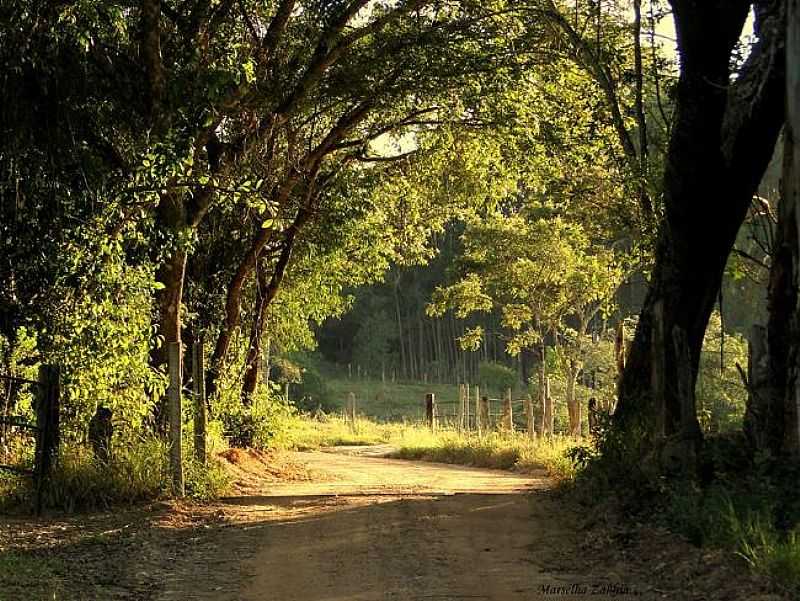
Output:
x=360 y=527
x=368 y=528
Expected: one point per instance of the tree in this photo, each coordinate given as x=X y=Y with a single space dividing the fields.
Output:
x=775 y=409
x=545 y=278
x=722 y=139
x=402 y=68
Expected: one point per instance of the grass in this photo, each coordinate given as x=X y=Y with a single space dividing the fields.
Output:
x=415 y=441
x=35 y=576
x=768 y=551
x=389 y=401
x=498 y=451
x=742 y=521
x=305 y=433
x=395 y=401
x=136 y=472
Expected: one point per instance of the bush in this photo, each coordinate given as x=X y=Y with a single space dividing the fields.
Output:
x=497 y=377
x=260 y=425
x=312 y=393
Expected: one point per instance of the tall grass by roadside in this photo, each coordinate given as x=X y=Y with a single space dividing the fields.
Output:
x=743 y=521
x=496 y=450
x=415 y=441
x=306 y=433
x=135 y=472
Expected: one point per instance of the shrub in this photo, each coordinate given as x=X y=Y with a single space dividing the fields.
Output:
x=312 y=393
x=260 y=425
x=135 y=472
x=497 y=377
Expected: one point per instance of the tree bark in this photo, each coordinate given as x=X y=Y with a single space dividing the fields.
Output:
x=266 y=294
x=307 y=170
x=641 y=121
x=721 y=143
x=573 y=405
x=398 y=314
x=780 y=415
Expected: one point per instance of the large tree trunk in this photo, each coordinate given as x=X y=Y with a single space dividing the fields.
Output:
x=780 y=414
x=721 y=143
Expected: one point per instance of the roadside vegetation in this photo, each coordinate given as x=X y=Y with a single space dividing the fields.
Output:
x=413 y=440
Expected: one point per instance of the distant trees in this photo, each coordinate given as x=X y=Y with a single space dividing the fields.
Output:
x=546 y=280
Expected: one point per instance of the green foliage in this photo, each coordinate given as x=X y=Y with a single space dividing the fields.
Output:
x=135 y=473
x=743 y=519
x=260 y=425
x=497 y=377
x=721 y=395
x=100 y=332
x=539 y=272
x=312 y=393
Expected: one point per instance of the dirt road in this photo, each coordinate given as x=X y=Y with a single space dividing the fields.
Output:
x=367 y=528
x=355 y=526
x=402 y=530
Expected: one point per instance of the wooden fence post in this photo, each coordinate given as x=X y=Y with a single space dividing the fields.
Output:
x=478 y=425
x=430 y=410
x=200 y=409
x=175 y=415
x=529 y=419
x=485 y=414
x=508 y=412
x=48 y=428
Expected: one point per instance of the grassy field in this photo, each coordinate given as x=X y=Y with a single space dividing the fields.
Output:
x=414 y=441
x=390 y=402
x=398 y=402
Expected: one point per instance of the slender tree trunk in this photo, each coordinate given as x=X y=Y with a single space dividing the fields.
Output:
x=252 y=363
x=399 y=316
x=233 y=303
x=573 y=405
x=171 y=219
x=421 y=347
x=543 y=390
x=265 y=295
x=641 y=121
x=233 y=299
